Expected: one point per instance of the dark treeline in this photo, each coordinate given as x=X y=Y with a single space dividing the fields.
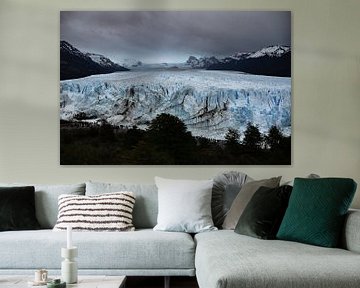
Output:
x=167 y=142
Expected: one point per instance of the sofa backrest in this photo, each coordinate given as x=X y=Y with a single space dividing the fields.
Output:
x=146 y=203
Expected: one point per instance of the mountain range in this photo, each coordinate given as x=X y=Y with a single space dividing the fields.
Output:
x=270 y=61
x=76 y=64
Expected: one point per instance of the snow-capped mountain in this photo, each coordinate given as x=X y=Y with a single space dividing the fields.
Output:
x=271 y=61
x=209 y=102
x=76 y=64
x=101 y=59
x=271 y=51
x=68 y=48
x=203 y=62
x=239 y=56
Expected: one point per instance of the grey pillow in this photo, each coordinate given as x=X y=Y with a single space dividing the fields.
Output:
x=184 y=205
x=146 y=204
x=46 y=200
x=243 y=198
x=263 y=214
x=226 y=187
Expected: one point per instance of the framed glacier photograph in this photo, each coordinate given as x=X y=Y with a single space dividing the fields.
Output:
x=175 y=88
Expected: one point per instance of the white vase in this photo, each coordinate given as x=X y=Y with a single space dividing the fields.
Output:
x=69 y=270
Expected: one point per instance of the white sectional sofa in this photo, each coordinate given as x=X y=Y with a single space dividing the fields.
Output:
x=219 y=259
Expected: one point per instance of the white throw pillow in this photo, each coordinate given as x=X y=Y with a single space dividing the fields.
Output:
x=184 y=205
x=105 y=212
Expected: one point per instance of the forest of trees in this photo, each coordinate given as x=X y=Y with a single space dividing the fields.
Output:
x=168 y=142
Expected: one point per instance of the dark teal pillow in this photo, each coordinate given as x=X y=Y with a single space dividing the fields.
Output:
x=17 y=208
x=264 y=213
x=316 y=211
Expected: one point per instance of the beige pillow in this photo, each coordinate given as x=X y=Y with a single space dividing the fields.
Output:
x=243 y=198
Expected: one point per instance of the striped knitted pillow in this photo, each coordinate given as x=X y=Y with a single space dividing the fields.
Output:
x=105 y=212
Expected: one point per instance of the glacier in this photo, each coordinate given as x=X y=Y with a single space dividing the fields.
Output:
x=209 y=102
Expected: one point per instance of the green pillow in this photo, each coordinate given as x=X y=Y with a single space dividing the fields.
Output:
x=316 y=211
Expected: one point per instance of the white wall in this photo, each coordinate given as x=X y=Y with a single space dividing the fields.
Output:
x=326 y=91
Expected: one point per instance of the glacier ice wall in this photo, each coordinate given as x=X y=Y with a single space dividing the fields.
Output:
x=209 y=102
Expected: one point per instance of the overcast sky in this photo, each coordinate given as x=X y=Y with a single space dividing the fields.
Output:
x=172 y=36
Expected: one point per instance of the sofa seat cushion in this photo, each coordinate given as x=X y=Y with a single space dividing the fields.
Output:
x=142 y=249
x=226 y=259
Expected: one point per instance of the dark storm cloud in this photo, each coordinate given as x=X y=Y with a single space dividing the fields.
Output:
x=173 y=35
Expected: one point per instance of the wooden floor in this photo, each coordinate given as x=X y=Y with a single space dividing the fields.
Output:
x=158 y=282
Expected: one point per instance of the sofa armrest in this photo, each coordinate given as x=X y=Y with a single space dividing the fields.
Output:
x=351 y=234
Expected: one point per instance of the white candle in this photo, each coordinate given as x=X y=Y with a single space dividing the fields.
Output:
x=69 y=239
